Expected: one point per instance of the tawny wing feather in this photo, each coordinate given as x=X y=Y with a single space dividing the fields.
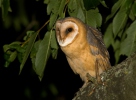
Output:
x=98 y=49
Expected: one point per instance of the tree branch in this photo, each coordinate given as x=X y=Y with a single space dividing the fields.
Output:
x=119 y=83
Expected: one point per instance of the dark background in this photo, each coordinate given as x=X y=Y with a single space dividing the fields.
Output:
x=57 y=72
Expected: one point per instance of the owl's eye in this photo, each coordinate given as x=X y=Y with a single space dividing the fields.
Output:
x=68 y=30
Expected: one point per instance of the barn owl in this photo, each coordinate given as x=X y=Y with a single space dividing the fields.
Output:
x=83 y=46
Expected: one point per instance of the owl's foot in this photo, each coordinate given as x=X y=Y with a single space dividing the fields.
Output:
x=91 y=79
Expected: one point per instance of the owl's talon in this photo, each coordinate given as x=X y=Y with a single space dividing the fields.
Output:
x=91 y=79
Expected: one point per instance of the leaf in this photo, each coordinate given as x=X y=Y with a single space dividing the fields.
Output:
x=90 y=18
x=28 y=50
x=108 y=38
x=76 y=9
x=12 y=56
x=128 y=46
x=91 y=4
x=98 y=18
x=81 y=11
x=46 y=1
x=6 y=47
x=119 y=22
x=34 y=51
x=117 y=56
x=61 y=7
x=54 y=45
x=17 y=46
x=72 y=8
x=103 y=3
x=13 y=46
x=57 y=9
x=134 y=8
x=80 y=14
x=114 y=9
x=126 y=4
x=43 y=55
x=53 y=18
x=116 y=46
x=131 y=15
x=93 y=18
x=53 y=89
x=50 y=6
x=5 y=8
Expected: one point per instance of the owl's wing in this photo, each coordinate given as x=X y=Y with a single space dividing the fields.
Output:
x=97 y=48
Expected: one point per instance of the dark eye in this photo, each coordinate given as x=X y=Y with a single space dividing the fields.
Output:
x=68 y=30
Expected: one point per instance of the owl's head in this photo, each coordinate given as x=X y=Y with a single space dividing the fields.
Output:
x=68 y=29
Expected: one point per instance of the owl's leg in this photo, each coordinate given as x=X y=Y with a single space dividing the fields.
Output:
x=98 y=71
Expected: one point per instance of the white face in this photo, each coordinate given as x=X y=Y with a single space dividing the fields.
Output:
x=66 y=32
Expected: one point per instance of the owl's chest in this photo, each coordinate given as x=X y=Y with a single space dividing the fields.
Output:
x=82 y=64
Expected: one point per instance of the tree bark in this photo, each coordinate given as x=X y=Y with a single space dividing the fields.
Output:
x=119 y=83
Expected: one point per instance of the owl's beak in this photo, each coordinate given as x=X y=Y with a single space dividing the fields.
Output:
x=58 y=27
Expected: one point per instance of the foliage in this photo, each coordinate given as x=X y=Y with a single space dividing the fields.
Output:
x=120 y=32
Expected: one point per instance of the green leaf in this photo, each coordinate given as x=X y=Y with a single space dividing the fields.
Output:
x=46 y=1
x=103 y=3
x=134 y=8
x=43 y=55
x=28 y=50
x=57 y=9
x=90 y=19
x=93 y=18
x=13 y=46
x=81 y=10
x=131 y=15
x=53 y=18
x=5 y=8
x=20 y=56
x=6 y=47
x=53 y=89
x=108 y=36
x=80 y=14
x=50 y=6
x=54 y=45
x=126 y=4
x=12 y=56
x=72 y=8
x=34 y=52
x=17 y=46
x=91 y=4
x=117 y=56
x=98 y=19
x=7 y=64
x=35 y=49
x=128 y=46
x=61 y=7
x=114 y=9
x=119 y=22
x=116 y=46
x=76 y=9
